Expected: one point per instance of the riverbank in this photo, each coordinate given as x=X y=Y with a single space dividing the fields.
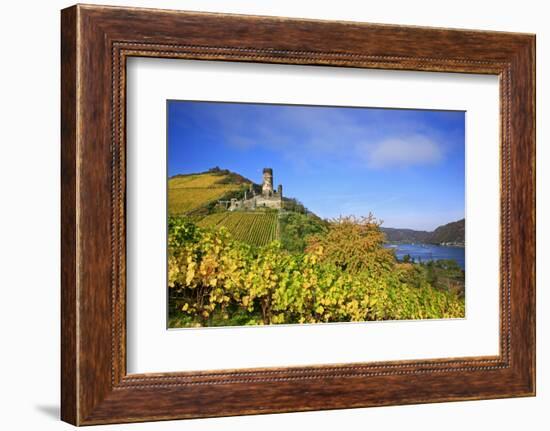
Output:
x=421 y=252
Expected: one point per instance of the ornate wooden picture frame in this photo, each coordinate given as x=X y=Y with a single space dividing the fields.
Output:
x=96 y=41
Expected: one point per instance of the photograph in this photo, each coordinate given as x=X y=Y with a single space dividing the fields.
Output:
x=299 y=214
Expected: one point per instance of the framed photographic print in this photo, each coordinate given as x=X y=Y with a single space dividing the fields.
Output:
x=268 y=215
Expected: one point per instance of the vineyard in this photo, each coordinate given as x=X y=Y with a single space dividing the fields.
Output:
x=190 y=192
x=254 y=228
x=216 y=280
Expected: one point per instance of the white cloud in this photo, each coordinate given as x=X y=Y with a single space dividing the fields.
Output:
x=402 y=152
x=302 y=134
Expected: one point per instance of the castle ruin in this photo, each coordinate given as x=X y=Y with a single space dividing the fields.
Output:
x=269 y=198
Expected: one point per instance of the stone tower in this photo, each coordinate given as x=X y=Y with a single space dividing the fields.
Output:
x=267 y=186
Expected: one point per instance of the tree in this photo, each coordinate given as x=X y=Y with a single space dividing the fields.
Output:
x=354 y=244
x=296 y=227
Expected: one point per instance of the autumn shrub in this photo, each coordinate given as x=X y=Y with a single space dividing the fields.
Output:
x=354 y=244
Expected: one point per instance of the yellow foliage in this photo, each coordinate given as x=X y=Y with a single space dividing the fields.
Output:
x=216 y=275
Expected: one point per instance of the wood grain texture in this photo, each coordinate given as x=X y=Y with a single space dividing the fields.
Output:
x=96 y=41
x=69 y=397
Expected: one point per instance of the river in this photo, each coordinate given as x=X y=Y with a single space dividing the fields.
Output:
x=426 y=252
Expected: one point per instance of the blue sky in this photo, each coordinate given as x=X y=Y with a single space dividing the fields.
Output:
x=405 y=166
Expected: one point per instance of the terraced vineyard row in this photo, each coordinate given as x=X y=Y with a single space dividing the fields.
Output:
x=253 y=228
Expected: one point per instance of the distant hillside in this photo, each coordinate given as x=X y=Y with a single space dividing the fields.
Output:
x=405 y=235
x=451 y=233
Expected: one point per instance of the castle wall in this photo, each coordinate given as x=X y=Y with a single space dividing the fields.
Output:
x=273 y=202
x=268 y=199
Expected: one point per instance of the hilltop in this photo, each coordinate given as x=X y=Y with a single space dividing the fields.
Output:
x=204 y=197
x=189 y=194
x=198 y=193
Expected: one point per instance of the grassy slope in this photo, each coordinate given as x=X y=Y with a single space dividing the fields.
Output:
x=190 y=192
x=255 y=228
